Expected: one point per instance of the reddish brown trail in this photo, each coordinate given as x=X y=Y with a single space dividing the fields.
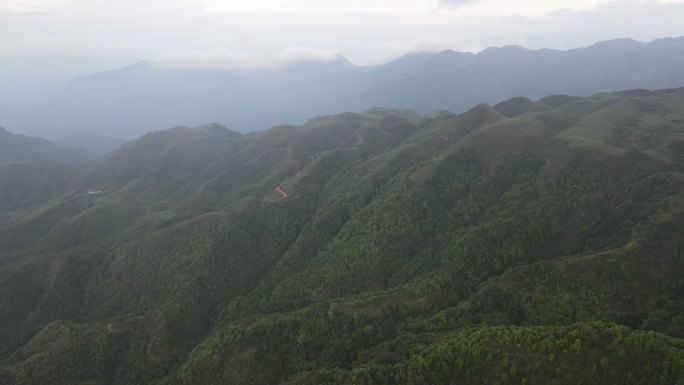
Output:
x=282 y=193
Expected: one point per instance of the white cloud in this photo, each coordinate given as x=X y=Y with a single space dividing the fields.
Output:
x=28 y=6
x=50 y=47
x=455 y=3
x=215 y=32
x=314 y=7
x=225 y=59
x=502 y=8
x=568 y=27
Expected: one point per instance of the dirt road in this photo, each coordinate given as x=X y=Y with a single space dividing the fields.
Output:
x=282 y=193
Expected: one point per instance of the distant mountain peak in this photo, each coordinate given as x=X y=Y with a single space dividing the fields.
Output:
x=504 y=50
x=620 y=43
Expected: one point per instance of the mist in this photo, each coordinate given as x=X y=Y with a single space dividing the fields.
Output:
x=162 y=47
x=224 y=59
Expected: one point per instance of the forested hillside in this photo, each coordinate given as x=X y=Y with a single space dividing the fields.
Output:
x=532 y=242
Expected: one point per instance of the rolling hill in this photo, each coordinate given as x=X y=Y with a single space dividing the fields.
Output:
x=531 y=242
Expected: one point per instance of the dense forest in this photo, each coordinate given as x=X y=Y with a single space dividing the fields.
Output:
x=532 y=242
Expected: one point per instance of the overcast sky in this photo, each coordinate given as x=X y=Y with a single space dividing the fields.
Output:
x=62 y=38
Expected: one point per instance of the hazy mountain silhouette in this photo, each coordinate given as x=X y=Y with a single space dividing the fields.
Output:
x=129 y=101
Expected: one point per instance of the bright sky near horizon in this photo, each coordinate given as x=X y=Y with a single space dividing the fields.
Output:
x=90 y=35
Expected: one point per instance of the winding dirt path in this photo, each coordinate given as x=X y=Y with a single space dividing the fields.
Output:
x=282 y=193
x=112 y=329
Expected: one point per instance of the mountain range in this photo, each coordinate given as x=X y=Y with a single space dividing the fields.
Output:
x=528 y=242
x=128 y=102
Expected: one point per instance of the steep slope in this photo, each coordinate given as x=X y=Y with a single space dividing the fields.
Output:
x=382 y=247
x=144 y=96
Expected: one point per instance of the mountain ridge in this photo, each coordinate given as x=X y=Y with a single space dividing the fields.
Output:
x=376 y=248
